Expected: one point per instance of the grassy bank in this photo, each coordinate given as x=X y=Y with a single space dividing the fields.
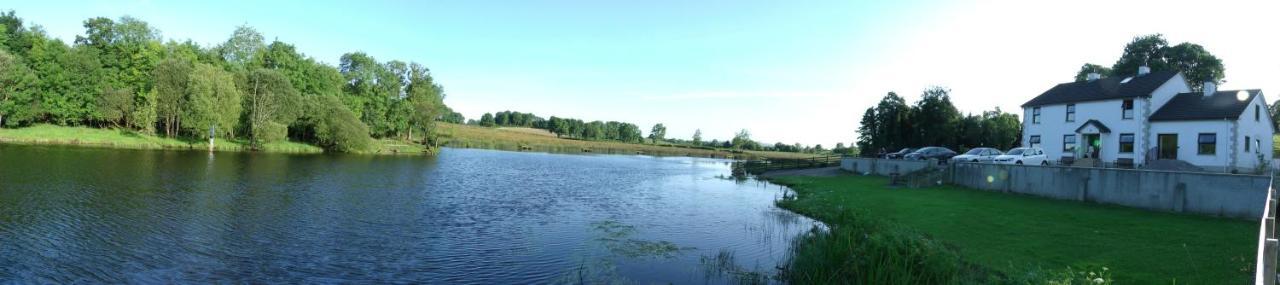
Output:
x=109 y=138
x=1004 y=238
x=466 y=136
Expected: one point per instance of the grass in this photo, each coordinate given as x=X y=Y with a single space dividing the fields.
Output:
x=1014 y=237
x=44 y=134
x=466 y=136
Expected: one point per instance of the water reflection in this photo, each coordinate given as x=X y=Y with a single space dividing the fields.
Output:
x=466 y=216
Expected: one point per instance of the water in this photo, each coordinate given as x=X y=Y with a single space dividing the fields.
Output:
x=73 y=215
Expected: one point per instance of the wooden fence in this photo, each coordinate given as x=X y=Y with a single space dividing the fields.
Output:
x=1265 y=273
x=761 y=166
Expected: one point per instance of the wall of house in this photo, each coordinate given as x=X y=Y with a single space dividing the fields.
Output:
x=1188 y=141
x=1260 y=129
x=1053 y=126
x=1223 y=195
x=1175 y=85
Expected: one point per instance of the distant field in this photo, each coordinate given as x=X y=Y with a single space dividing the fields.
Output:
x=456 y=135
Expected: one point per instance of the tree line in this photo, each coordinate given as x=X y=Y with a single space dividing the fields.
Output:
x=121 y=73
x=933 y=121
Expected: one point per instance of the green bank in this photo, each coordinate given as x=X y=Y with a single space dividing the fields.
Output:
x=947 y=234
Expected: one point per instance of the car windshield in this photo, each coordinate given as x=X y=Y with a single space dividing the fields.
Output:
x=976 y=151
x=1016 y=151
x=905 y=150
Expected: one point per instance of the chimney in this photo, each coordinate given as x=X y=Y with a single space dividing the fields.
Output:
x=1094 y=76
x=1210 y=88
x=1143 y=70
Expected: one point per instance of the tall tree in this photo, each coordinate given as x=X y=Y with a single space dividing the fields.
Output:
x=214 y=102
x=269 y=101
x=657 y=133
x=1196 y=63
x=868 y=129
x=935 y=118
x=171 y=79
x=242 y=47
x=16 y=82
x=697 y=137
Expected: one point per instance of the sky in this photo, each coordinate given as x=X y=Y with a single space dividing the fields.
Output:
x=786 y=71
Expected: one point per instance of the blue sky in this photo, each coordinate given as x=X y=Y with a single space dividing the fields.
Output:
x=799 y=71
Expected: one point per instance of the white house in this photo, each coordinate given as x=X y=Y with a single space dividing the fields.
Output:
x=1135 y=120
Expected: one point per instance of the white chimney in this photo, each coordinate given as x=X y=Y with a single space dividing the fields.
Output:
x=1210 y=88
x=1143 y=70
x=1094 y=76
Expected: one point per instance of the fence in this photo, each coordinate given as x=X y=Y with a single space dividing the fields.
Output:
x=760 y=166
x=1265 y=273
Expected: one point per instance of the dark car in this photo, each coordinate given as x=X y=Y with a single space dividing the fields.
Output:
x=933 y=152
x=900 y=154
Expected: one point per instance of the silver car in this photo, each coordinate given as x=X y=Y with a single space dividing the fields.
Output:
x=981 y=154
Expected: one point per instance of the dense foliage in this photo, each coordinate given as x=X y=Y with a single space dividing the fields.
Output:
x=933 y=121
x=121 y=73
x=1196 y=63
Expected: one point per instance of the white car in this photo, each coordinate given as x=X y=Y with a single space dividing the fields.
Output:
x=1023 y=156
x=982 y=154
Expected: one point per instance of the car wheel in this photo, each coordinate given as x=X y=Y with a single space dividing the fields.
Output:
x=1018 y=163
x=1044 y=163
x=974 y=161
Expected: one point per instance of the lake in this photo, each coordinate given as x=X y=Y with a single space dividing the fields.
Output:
x=81 y=215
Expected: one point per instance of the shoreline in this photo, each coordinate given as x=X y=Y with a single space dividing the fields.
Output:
x=88 y=137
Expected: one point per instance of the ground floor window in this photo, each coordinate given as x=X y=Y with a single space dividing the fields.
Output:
x=1247 y=142
x=1126 y=143
x=1068 y=143
x=1035 y=141
x=1208 y=144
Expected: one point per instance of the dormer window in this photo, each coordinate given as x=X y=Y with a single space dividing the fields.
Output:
x=1071 y=112
x=1126 y=109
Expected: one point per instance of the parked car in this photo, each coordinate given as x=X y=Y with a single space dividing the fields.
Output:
x=933 y=152
x=981 y=154
x=1023 y=155
x=900 y=154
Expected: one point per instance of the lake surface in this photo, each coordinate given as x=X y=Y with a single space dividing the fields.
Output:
x=71 y=215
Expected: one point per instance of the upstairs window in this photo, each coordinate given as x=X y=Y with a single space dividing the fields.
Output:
x=1247 y=142
x=1126 y=109
x=1257 y=113
x=1126 y=143
x=1035 y=115
x=1207 y=144
x=1035 y=141
x=1068 y=143
x=1071 y=112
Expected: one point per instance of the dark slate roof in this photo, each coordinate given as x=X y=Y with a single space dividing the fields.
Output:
x=1101 y=128
x=1102 y=89
x=1196 y=106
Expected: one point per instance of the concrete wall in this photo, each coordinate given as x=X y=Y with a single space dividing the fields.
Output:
x=883 y=167
x=1235 y=196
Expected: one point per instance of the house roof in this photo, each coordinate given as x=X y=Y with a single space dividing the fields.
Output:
x=1103 y=129
x=1103 y=89
x=1196 y=106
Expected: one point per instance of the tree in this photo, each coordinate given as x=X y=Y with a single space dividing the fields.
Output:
x=426 y=99
x=1153 y=51
x=742 y=140
x=268 y=102
x=867 y=132
x=16 y=82
x=242 y=47
x=657 y=132
x=171 y=79
x=487 y=121
x=697 y=137
x=115 y=105
x=935 y=118
x=1088 y=68
x=214 y=101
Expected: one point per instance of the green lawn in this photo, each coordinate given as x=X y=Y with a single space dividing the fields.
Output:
x=44 y=134
x=1016 y=234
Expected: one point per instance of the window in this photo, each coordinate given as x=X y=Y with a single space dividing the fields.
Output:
x=1069 y=143
x=1126 y=143
x=1257 y=114
x=1035 y=115
x=1208 y=144
x=1126 y=109
x=1247 y=142
x=1035 y=141
x=1071 y=112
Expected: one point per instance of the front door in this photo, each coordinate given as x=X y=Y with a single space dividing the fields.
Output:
x=1092 y=145
x=1168 y=144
